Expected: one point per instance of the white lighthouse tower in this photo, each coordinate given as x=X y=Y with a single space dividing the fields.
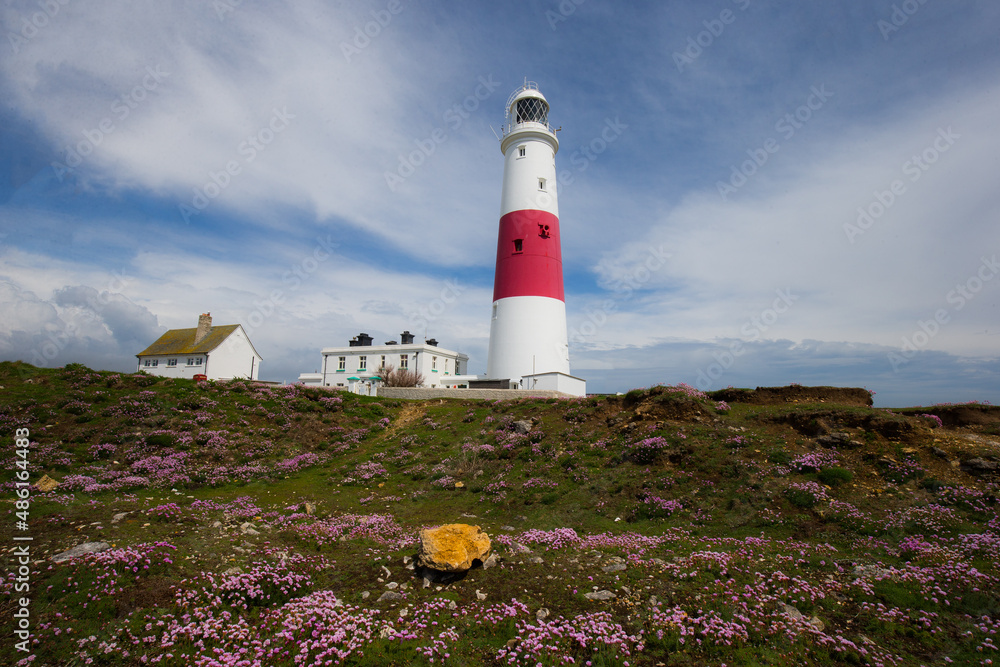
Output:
x=528 y=344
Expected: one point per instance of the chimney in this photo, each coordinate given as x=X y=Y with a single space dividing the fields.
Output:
x=204 y=327
x=432 y=342
x=406 y=338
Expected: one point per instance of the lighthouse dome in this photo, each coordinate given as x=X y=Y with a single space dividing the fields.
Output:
x=527 y=105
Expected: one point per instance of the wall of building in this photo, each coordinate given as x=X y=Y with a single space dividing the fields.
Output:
x=181 y=370
x=233 y=358
x=420 y=358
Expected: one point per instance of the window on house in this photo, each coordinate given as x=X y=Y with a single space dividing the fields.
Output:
x=518 y=245
x=383 y=362
x=194 y=361
x=341 y=363
x=404 y=361
x=521 y=151
x=171 y=362
x=151 y=362
x=434 y=363
x=362 y=363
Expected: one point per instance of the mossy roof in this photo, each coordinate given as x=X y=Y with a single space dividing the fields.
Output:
x=181 y=341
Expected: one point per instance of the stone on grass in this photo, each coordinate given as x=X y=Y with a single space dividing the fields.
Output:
x=453 y=547
x=46 y=484
x=600 y=595
x=81 y=549
x=522 y=426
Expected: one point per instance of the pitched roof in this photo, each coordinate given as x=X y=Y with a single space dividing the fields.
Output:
x=181 y=341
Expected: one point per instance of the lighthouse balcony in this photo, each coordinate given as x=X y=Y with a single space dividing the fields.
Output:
x=530 y=125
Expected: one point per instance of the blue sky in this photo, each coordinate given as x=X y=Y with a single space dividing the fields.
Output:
x=752 y=193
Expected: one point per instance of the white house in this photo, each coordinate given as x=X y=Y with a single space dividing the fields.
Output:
x=354 y=367
x=218 y=353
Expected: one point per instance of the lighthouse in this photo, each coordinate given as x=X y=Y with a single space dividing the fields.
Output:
x=528 y=344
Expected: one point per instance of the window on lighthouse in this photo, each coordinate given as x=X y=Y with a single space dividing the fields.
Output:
x=518 y=245
x=541 y=183
x=521 y=151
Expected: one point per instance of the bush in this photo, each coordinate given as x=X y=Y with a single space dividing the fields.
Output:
x=779 y=457
x=800 y=498
x=835 y=476
x=160 y=440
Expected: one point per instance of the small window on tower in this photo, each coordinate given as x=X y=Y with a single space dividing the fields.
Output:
x=521 y=151
x=541 y=183
x=518 y=245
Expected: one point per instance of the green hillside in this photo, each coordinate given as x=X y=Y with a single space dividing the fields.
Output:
x=251 y=524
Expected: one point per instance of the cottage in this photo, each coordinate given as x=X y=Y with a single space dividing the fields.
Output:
x=218 y=353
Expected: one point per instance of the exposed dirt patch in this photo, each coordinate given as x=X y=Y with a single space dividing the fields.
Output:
x=410 y=413
x=659 y=404
x=960 y=415
x=795 y=394
x=821 y=422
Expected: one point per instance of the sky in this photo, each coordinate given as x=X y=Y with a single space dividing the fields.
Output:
x=750 y=193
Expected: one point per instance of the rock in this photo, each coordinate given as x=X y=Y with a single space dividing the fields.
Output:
x=233 y=570
x=453 y=547
x=492 y=561
x=390 y=596
x=613 y=567
x=938 y=452
x=46 y=484
x=794 y=613
x=392 y=585
x=459 y=485
x=310 y=508
x=980 y=466
x=870 y=572
x=480 y=596
x=80 y=550
x=217 y=524
x=118 y=517
x=816 y=623
x=522 y=426
x=542 y=614
x=247 y=529
x=536 y=560
x=837 y=440
x=600 y=595
x=365 y=595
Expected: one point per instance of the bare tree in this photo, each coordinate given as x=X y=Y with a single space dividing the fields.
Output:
x=399 y=377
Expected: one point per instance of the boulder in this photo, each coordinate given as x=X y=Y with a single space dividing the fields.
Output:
x=600 y=595
x=522 y=426
x=980 y=466
x=453 y=547
x=81 y=549
x=46 y=484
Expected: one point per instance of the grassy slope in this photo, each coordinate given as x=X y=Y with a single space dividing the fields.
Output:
x=734 y=499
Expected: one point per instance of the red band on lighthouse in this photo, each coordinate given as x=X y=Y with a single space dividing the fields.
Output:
x=529 y=259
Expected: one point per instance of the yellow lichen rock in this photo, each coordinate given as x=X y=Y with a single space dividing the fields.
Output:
x=46 y=484
x=453 y=547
